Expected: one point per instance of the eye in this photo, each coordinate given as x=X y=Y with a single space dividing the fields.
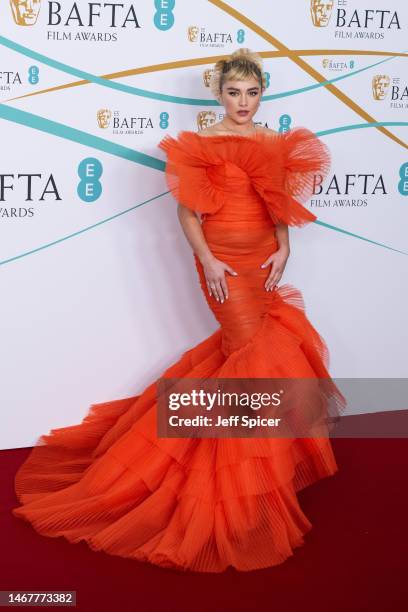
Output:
x=252 y=93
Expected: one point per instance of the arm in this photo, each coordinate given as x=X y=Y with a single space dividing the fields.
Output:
x=304 y=155
x=214 y=269
x=282 y=235
x=279 y=258
x=191 y=226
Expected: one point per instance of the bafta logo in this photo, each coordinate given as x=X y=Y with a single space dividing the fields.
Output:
x=321 y=11
x=205 y=119
x=192 y=33
x=25 y=12
x=325 y=63
x=104 y=115
x=380 y=85
x=207 y=76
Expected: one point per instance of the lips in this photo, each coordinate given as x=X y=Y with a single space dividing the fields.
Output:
x=243 y=112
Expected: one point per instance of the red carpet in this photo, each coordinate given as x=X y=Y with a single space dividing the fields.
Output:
x=354 y=558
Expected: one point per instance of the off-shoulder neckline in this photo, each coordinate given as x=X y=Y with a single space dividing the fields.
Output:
x=233 y=136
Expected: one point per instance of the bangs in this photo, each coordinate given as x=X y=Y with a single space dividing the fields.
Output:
x=240 y=73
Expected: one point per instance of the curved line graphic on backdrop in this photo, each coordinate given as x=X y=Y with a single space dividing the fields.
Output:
x=61 y=130
x=95 y=142
x=66 y=132
x=123 y=212
x=85 y=229
x=89 y=78
x=305 y=67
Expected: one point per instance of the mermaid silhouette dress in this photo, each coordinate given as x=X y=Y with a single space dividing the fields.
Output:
x=203 y=504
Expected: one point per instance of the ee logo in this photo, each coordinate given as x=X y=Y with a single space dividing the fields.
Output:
x=403 y=184
x=164 y=17
x=89 y=187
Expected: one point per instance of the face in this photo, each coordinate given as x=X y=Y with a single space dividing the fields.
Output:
x=193 y=33
x=321 y=11
x=380 y=86
x=104 y=117
x=241 y=96
x=25 y=12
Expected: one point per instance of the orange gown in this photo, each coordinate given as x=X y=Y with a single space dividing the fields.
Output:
x=203 y=504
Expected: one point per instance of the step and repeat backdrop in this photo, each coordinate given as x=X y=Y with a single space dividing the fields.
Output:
x=99 y=293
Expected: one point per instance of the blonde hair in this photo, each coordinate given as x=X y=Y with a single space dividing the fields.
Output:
x=240 y=65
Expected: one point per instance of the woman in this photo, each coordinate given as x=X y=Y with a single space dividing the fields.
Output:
x=190 y=503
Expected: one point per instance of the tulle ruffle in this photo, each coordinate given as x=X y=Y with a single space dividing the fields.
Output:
x=182 y=503
x=282 y=168
x=190 y=503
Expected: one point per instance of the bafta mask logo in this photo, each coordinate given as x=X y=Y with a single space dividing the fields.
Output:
x=25 y=12
x=205 y=119
x=380 y=85
x=321 y=11
x=104 y=115
x=207 y=76
x=325 y=63
x=192 y=33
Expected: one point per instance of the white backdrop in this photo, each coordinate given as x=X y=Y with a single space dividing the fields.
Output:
x=100 y=294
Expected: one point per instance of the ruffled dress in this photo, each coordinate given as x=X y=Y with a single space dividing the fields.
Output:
x=204 y=504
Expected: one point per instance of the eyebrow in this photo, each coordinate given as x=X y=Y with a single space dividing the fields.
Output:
x=237 y=89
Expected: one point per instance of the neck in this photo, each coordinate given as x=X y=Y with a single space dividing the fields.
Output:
x=239 y=128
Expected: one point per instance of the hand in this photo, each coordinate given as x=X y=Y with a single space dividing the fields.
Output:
x=278 y=261
x=214 y=270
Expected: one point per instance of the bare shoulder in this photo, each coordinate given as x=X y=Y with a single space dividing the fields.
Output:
x=209 y=131
x=212 y=130
x=268 y=131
